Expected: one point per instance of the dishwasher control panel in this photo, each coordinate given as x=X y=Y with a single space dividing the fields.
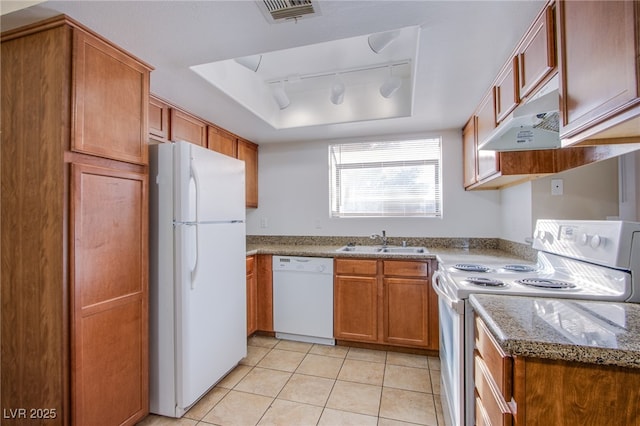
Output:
x=316 y=265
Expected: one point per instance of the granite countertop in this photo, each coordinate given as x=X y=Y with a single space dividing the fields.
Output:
x=442 y=254
x=605 y=333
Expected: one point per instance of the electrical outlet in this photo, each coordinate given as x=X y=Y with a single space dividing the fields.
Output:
x=557 y=187
x=264 y=223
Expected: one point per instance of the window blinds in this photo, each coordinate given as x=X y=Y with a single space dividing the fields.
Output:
x=386 y=179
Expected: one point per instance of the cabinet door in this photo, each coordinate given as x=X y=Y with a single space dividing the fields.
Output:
x=355 y=308
x=158 y=120
x=469 y=152
x=186 y=127
x=506 y=90
x=252 y=295
x=488 y=161
x=537 y=53
x=598 y=61
x=248 y=152
x=406 y=310
x=109 y=295
x=110 y=101
x=265 y=292
x=221 y=141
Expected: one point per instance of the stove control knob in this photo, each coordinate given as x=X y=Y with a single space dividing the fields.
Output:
x=596 y=241
x=583 y=240
x=545 y=236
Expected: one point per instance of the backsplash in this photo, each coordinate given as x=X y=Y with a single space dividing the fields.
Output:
x=521 y=250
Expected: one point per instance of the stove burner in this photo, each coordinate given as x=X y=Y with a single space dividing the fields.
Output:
x=545 y=283
x=471 y=267
x=519 y=268
x=486 y=282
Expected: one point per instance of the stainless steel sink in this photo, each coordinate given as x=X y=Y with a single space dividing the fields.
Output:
x=383 y=249
x=404 y=250
x=360 y=249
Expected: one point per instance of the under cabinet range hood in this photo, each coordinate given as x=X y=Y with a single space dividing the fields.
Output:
x=532 y=125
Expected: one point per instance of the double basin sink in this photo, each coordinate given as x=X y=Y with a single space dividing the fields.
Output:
x=383 y=249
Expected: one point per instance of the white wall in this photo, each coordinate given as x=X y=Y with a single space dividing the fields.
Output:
x=590 y=193
x=516 y=209
x=294 y=197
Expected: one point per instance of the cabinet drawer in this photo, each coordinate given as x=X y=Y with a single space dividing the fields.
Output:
x=497 y=362
x=250 y=264
x=356 y=266
x=493 y=408
x=406 y=268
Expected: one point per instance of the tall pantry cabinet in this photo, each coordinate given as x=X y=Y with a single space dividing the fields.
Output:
x=74 y=221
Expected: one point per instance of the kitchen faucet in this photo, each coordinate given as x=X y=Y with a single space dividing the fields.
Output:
x=383 y=237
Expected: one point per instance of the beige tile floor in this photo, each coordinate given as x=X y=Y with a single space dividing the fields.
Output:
x=285 y=383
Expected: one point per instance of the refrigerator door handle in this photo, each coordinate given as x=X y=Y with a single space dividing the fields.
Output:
x=194 y=271
x=196 y=180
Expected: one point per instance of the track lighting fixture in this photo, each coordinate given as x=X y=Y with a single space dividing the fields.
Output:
x=337 y=90
x=280 y=95
x=378 y=42
x=390 y=85
x=252 y=62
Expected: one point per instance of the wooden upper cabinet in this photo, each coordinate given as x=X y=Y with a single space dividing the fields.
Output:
x=506 y=90
x=158 y=120
x=248 y=152
x=469 y=152
x=110 y=101
x=598 y=62
x=221 y=141
x=188 y=128
x=488 y=162
x=537 y=52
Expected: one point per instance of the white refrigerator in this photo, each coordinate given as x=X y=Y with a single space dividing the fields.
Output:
x=197 y=278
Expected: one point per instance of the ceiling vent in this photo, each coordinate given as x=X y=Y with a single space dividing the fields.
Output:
x=285 y=10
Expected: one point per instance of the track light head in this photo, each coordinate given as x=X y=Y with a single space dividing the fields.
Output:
x=337 y=90
x=252 y=62
x=280 y=96
x=378 y=42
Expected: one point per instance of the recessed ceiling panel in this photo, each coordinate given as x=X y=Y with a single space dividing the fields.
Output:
x=307 y=74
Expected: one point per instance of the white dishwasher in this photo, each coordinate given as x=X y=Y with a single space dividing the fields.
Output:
x=303 y=299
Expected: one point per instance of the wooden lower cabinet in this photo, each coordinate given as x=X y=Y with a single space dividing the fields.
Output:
x=264 y=291
x=252 y=296
x=386 y=302
x=356 y=308
x=528 y=391
x=109 y=299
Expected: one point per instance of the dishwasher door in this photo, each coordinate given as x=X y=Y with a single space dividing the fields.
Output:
x=303 y=299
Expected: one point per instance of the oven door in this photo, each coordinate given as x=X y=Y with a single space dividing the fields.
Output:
x=451 y=316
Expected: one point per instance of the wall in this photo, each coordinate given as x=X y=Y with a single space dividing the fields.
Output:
x=516 y=213
x=294 y=197
x=590 y=193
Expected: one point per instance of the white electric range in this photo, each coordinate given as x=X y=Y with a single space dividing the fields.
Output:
x=587 y=260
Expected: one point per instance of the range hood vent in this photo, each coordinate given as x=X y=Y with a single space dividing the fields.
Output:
x=533 y=125
x=284 y=10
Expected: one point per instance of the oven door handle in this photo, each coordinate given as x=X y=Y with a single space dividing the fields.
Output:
x=454 y=304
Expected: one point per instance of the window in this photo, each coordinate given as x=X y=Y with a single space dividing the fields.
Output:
x=386 y=179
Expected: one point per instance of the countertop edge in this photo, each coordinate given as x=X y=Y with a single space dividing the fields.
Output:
x=536 y=348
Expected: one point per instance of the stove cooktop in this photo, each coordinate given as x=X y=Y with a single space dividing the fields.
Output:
x=551 y=276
